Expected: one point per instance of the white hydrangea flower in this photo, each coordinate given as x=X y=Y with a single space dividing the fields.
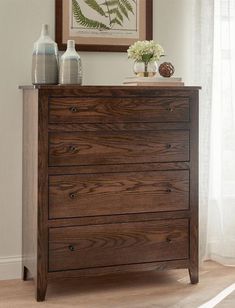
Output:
x=145 y=51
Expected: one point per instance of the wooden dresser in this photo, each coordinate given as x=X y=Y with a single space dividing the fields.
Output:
x=110 y=181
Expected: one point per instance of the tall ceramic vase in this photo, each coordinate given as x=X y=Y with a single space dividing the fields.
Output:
x=45 y=59
x=70 y=66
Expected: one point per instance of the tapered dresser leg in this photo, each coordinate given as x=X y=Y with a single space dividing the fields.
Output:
x=41 y=291
x=194 y=275
x=25 y=273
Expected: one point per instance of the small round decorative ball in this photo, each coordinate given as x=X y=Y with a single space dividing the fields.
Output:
x=166 y=69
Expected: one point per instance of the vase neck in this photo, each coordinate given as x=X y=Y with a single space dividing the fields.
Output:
x=71 y=45
x=45 y=30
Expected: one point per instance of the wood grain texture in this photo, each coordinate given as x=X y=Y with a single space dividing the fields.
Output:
x=87 y=148
x=42 y=239
x=118 y=168
x=30 y=179
x=118 y=110
x=126 y=290
x=116 y=126
x=122 y=193
x=131 y=177
x=120 y=269
x=110 y=219
x=117 y=244
x=194 y=179
x=107 y=90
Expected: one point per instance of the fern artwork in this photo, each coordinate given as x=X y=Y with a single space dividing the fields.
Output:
x=107 y=15
x=115 y=24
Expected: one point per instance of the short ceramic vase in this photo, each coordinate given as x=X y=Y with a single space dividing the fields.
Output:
x=45 y=59
x=70 y=66
x=142 y=69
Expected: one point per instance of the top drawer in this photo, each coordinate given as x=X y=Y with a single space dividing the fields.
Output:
x=111 y=109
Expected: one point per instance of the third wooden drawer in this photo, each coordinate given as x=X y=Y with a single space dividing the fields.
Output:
x=118 y=193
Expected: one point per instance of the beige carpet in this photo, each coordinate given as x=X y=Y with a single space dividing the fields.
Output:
x=138 y=290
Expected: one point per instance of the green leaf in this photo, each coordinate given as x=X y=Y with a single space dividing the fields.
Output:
x=84 y=21
x=123 y=9
x=128 y=5
x=115 y=21
x=110 y=2
x=95 y=6
x=119 y=15
x=112 y=11
x=147 y=57
x=116 y=12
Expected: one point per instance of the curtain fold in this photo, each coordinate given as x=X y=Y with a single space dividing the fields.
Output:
x=221 y=213
x=202 y=72
x=214 y=69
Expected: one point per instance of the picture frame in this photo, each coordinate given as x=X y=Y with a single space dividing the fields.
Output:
x=96 y=26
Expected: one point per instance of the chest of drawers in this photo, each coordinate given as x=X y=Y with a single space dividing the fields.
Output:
x=110 y=181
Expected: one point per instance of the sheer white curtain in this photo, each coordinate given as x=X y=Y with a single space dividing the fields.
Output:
x=214 y=69
x=221 y=213
x=202 y=71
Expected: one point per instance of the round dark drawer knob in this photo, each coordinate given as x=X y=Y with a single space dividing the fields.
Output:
x=168 y=190
x=169 y=240
x=71 y=248
x=168 y=146
x=73 y=195
x=73 y=148
x=170 y=109
x=74 y=109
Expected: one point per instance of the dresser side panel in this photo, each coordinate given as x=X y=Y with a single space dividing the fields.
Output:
x=30 y=180
x=194 y=179
x=42 y=239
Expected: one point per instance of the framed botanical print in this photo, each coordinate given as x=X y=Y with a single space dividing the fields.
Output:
x=103 y=25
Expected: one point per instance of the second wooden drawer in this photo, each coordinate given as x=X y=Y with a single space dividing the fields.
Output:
x=118 y=193
x=115 y=147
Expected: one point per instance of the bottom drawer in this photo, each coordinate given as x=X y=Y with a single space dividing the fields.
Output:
x=116 y=244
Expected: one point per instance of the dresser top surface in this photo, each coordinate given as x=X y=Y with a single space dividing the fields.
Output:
x=107 y=87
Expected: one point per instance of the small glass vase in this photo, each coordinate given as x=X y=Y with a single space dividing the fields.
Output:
x=142 y=69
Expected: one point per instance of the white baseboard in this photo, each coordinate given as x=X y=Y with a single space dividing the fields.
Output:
x=10 y=267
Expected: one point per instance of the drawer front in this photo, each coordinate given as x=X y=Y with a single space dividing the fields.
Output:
x=115 y=244
x=118 y=193
x=109 y=110
x=102 y=147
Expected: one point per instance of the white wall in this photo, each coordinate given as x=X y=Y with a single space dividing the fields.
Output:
x=20 y=23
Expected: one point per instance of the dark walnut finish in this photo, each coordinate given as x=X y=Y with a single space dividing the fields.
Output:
x=117 y=244
x=109 y=110
x=110 y=181
x=113 y=193
x=105 y=147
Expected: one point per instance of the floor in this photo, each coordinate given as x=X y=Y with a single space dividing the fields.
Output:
x=138 y=290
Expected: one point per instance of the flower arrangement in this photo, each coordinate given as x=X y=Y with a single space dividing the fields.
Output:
x=145 y=54
x=145 y=51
